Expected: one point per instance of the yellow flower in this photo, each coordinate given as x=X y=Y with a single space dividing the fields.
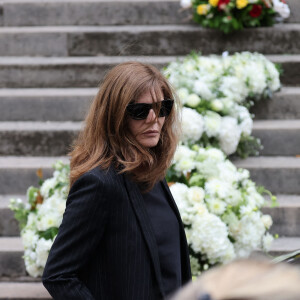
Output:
x=213 y=2
x=241 y=3
x=202 y=9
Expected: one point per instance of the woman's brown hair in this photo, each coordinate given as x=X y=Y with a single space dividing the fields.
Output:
x=105 y=139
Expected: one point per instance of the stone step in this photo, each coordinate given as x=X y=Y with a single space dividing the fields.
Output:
x=59 y=72
x=144 y=40
x=51 y=138
x=286 y=217
x=49 y=104
x=12 y=263
x=284 y=104
x=279 y=174
x=24 y=168
x=278 y=137
x=95 y=12
x=62 y=104
x=23 y=290
x=37 y=138
x=92 y=12
x=8 y=224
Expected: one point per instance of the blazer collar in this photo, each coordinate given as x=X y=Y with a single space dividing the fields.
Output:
x=137 y=201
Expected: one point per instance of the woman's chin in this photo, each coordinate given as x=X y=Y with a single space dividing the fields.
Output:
x=149 y=142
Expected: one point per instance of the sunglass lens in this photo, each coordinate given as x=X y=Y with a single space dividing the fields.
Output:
x=139 y=111
x=166 y=107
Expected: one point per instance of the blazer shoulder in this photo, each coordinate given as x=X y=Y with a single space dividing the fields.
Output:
x=109 y=177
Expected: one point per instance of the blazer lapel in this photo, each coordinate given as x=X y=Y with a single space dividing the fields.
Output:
x=137 y=201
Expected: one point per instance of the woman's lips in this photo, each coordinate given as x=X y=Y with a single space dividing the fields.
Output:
x=151 y=132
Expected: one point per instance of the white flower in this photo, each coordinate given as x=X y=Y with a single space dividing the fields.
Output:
x=217 y=187
x=267 y=221
x=29 y=238
x=229 y=135
x=217 y=105
x=47 y=220
x=195 y=194
x=281 y=8
x=233 y=88
x=192 y=125
x=42 y=251
x=209 y=236
x=183 y=151
x=212 y=123
x=33 y=270
x=202 y=89
x=267 y=241
x=242 y=114
x=216 y=206
x=193 y=100
x=215 y=154
x=47 y=185
x=185 y=3
x=182 y=94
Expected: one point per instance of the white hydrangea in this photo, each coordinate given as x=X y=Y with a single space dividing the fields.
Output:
x=229 y=135
x=212 y=123
x=210 y=236
x=192 y=125
x=203 y=89
x=234 y=88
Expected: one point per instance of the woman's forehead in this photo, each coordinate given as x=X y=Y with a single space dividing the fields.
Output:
x=149 y=96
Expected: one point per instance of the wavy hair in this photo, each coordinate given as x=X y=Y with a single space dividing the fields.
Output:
x=105 y=139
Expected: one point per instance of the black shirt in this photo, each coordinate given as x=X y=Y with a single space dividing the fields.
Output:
x=166 y=229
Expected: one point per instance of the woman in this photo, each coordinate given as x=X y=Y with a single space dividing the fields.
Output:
x=121 y=236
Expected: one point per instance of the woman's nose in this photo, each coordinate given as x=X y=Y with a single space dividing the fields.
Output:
x=151 y=116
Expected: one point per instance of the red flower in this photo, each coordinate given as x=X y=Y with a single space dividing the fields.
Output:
x=255 y=11
x=222 y=4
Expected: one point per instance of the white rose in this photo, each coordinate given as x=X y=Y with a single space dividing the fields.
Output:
x=195 y=194
x=193 y=100
x=217 y=105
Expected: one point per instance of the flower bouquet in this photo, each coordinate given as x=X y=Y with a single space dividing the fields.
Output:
x=216 y=92
x=232 y=15
x=40 y=217
x=220 y=207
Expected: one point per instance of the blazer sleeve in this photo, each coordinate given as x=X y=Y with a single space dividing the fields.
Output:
x=78 y=236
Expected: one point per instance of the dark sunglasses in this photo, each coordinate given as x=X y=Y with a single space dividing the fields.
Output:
x=140 y=111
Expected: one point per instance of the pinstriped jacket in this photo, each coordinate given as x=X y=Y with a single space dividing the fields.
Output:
x=105 y=247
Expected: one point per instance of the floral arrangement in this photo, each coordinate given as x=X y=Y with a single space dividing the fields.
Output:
x=40 y=217
x=219 y=206
x=216 y=93
x=231 y=15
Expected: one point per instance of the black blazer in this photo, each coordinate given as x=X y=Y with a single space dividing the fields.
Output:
x=105 y=247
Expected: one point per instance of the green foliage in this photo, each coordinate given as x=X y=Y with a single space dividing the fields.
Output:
x=248 y=146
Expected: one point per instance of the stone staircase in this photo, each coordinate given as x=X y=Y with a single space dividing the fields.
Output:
x=54 y=53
